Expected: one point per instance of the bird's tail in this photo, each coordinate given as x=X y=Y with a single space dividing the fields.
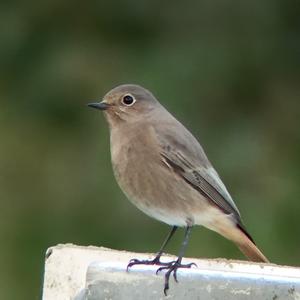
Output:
x=251 y=251
x=245 y=243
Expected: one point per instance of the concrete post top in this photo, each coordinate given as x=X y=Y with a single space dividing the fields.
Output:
x=76 y=272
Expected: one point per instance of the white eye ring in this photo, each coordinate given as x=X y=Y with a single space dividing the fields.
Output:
x=128 y=100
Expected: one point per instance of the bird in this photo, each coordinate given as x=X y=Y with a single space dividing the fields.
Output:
x=164 y=171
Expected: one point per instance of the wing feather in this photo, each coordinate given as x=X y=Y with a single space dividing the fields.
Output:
x=191 y=163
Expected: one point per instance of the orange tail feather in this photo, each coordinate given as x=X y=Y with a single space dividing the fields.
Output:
x=251 y=251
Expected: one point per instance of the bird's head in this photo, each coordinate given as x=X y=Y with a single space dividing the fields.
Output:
x=127 y=103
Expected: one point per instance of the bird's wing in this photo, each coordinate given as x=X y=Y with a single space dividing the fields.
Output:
x=187 y=158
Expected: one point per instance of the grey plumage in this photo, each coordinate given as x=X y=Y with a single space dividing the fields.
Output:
x=164 y=171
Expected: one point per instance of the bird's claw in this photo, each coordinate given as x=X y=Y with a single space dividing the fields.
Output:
x=155 y=261
x=172 y=267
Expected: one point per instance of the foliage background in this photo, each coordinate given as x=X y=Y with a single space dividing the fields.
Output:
x=228 y=70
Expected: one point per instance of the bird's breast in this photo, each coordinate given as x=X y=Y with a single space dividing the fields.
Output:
x=134 y=158
x=148 y=182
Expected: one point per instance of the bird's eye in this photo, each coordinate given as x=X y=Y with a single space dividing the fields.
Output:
x=128 y=100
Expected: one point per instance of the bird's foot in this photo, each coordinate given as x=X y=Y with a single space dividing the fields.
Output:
x=155 y=261
x=172 y=267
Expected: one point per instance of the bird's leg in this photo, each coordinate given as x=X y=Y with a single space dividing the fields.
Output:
x=173 y=266
x=156 y=260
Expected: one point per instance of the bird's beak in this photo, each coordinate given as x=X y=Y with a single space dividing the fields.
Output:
x=99 y=105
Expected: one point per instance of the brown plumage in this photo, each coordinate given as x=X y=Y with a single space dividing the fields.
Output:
x=164 y=171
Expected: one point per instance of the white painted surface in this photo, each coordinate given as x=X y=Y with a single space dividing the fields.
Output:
x=90 y=273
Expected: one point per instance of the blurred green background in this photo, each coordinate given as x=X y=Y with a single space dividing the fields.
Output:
x=229 y=70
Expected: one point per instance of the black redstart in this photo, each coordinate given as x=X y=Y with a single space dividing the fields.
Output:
x=164 y=171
